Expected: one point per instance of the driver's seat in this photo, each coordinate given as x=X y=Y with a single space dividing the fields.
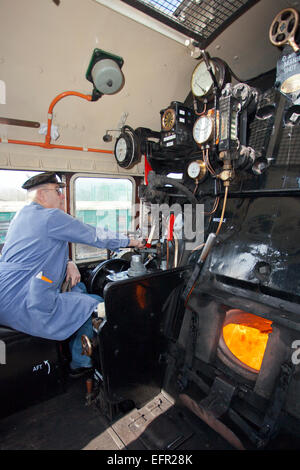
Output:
x=30 y=370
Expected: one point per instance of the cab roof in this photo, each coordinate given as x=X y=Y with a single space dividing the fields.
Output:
x=201 y=20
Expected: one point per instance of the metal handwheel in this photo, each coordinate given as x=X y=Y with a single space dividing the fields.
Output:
x=283 y=28
x=98 y=277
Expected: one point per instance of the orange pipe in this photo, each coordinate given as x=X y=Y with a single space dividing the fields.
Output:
x=47 y=144
x=22 y=142
x=53 y=103
x=52 y=146
x=70 y=147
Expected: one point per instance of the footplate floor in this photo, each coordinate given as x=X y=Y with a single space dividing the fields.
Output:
x=160 y=425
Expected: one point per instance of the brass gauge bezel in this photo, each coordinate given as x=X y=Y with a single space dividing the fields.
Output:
x=201 y=81
x=202 y=170
x=168 y=119
x=206 y=134
x=86 y=345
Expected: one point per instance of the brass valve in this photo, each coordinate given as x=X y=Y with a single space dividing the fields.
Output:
x=86 y=346
x=227 y=174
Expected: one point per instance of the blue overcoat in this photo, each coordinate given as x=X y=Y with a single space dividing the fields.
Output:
x=33 y=267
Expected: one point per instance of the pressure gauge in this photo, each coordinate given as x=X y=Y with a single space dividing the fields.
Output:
x=197 y=170
x=201 y=82
x=203 y=129
x=168 y=119
x=125 y=150
x=121 y=149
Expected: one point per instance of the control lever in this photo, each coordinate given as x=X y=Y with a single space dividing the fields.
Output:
x=198 y=267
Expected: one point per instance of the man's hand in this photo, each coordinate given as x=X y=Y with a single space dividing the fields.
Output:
x=72 y=274
x=136 y=244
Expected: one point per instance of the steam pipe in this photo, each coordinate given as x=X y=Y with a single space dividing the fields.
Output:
x=156 y=181
x=198 y=267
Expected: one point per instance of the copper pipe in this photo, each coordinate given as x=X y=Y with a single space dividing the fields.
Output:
x=196 y=108
x=223 y=210
x=207 y=162
x=215 y=207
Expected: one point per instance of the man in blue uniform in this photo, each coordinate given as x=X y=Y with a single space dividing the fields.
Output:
x=34 y=263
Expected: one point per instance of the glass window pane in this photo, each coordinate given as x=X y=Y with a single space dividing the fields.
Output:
x=12 y=197
x=105 y=202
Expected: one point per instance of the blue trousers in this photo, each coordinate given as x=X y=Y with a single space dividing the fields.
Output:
x=78 y=360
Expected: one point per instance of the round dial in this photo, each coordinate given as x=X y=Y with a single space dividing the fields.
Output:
x=121 y=149
x=197 y=170
x=168 y=119
x=201 y=82
x=125 y=150
x=203 y=129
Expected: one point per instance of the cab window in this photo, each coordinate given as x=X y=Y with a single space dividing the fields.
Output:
x=101 y=201
x=12 y=197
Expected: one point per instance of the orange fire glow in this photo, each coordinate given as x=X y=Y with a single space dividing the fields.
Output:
x=247 y=343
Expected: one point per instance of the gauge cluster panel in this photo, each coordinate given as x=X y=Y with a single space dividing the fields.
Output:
x=177 y=126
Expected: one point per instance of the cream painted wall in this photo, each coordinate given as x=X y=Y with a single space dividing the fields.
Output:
x=45 y=50
x=245 y=45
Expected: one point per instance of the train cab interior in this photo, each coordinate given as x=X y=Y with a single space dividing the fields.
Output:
x=175 y=122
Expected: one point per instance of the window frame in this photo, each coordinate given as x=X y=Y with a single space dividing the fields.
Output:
x=73 y=179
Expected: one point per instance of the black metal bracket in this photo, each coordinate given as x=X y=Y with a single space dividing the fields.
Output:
x=219 y=399
x=271 y=422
